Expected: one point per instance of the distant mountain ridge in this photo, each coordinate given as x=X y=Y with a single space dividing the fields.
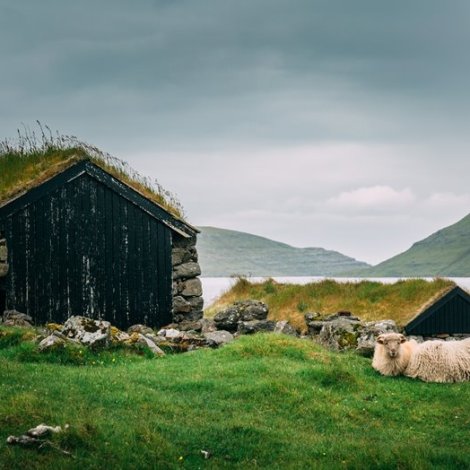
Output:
x=224 y=253
x=444 y=253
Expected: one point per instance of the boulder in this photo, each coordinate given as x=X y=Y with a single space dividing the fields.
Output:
x=170 y=334
x=218 y=338
x=242 y=311
x=341 y=333
x=146 y=341
x=181 y=305
x=255 y=326
x=94 y=333
x=187 y=270
x=228 y=319
x=139 y=328
x=284 y=327
x=51 y=342
x=14 y=318
x=208 y=325
x=191 y=288
x=369 y=332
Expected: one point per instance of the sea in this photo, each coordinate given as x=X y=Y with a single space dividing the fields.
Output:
x=214 y=287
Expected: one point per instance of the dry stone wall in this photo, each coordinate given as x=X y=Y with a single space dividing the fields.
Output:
x=187 y=288
x=3 y=257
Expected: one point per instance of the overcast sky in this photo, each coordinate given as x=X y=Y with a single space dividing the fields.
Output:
x=335 y=123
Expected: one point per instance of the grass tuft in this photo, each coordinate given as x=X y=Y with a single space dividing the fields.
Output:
x=37 y=155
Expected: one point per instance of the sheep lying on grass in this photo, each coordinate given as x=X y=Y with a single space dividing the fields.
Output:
x=392 y=353
x=431 y=361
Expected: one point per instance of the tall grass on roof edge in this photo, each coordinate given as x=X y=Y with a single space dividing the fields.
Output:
x=36 y=155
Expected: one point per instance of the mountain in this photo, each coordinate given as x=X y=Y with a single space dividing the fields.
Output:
x=444 y=253
x=223 y=253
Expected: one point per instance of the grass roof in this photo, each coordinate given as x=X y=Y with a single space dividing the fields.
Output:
x=370 y=301
x=31 y=159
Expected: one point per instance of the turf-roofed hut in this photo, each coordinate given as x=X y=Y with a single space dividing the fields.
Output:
x=84 y=238
x=447 y=314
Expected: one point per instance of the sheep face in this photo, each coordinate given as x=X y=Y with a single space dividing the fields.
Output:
x=391 y=343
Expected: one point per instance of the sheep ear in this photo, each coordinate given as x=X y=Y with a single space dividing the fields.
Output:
x=380 y=339
x=402 y=339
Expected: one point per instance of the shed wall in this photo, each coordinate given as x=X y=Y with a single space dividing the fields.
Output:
x=85 y=250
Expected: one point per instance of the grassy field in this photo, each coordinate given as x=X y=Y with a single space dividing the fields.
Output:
x=265 y=401
x=368 y=300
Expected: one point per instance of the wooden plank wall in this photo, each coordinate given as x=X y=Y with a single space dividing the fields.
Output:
x=85 y=250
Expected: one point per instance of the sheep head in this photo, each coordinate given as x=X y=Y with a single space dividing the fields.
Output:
x=391 y=343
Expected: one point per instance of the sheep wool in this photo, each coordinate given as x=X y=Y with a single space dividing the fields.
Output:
x=440 y=361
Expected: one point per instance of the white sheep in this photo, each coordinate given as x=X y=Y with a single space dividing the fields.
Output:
x=441 y=361
x=431 y=361
x=392 y=353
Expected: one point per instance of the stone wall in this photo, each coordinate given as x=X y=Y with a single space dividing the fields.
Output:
x=3 y=257
x=187 y=288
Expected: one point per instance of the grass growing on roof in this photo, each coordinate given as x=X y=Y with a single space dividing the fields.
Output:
x=264 y=401
x=30 y=159
x=369 y=300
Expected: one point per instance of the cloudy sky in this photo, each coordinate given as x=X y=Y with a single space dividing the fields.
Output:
x=335 y=123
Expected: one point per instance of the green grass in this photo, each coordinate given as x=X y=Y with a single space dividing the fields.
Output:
x=30 y=160
x=369 y=300
x=265 y=401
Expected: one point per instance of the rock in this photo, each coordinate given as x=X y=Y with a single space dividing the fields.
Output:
x=342 y=314
x=186 y=325
x=218 y=338
x=118 y=336
x=51 y=342
x=170 y=334
x=3 y=251
x=341 y=333
x=255 y=326
x=94 y=333
x=228 y=319
x=191 y=288
x=3 y=269
x=208 y=325
x=369 y=333
x=43 y=430
x=187 y=270
x=252 y=310
x=145 y=341
x=284 y=327
x=139 y=328
x=14 y=318
x=180 y=255
x=310 y=316
x=314 y=327
x=243 y=311
x=181 y=305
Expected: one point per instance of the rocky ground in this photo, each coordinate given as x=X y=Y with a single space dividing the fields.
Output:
x=341 y=331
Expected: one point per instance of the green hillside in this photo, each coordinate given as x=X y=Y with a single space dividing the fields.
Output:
x=444 y=253
x=262 y=402
x=228 y=252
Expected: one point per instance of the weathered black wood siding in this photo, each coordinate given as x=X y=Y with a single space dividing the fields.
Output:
x=449 y=315
x=83 y=249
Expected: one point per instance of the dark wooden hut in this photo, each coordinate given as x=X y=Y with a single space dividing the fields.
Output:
x=449 y=314
x=85 y=243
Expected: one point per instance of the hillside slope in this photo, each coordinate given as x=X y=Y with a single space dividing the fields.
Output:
x=227 y=252
x=444 y=253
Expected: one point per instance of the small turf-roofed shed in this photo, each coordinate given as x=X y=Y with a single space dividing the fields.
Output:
x=448 y=314
x=83 y=242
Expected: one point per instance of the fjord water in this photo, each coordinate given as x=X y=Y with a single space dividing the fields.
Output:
x=213 y=287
